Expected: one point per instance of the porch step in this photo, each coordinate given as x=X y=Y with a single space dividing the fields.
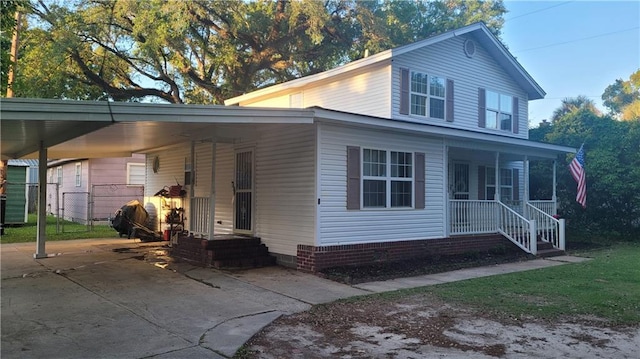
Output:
x=546 y=249
x=244 y=252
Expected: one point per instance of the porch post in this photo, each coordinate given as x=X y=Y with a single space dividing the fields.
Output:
x=212 y=195
x=553 y=196
x=525 y=197
x=41 y=236
x=496 y=196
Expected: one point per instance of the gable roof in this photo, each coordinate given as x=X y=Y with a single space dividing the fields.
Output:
x=479 y=31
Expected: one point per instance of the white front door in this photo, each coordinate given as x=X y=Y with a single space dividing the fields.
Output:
x=243 y=192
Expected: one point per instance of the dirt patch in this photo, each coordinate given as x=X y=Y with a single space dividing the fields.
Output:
x=422 y=325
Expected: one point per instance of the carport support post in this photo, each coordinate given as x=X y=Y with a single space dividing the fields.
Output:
x=42 y=203
x=212 y=196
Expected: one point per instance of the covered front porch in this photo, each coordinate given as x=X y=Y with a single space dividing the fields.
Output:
x=489 y=192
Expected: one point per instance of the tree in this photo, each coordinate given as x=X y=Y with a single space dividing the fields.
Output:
x=8 y=9
x=612 y=169
x=622 y=98
x=574 y=104
x=205 y=51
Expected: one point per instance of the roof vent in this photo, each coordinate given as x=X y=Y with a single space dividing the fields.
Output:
x=469 y=48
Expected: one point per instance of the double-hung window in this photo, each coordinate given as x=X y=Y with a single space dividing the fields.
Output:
x=59 y=175
x=499 y=111
x=427 y=95
x=506 y=184
x=387 y=180
x=78 y=174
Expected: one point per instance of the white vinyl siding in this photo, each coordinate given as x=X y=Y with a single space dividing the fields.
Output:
x=171 y=167
x=337 y=225
x=447 y=59
x=285 y=196
x=224 y=176
x=365 y=92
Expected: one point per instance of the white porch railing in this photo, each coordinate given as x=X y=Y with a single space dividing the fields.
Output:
x=517 y=228
x=473 y=217
x=199 y=218
x=548 y=207
x=479 y=217
x=549 y=229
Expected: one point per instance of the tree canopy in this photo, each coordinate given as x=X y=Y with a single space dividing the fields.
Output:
x=612 y=166
x=204 y=51
x=574 y=104
x=622 y=98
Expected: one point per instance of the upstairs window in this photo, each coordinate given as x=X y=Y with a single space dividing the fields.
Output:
x=497 y=111
x=59 y=175
x=427 y=95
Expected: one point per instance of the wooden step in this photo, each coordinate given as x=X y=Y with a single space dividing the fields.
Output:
x=545 y=253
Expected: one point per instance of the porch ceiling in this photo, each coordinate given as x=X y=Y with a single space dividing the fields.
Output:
x=80 y=129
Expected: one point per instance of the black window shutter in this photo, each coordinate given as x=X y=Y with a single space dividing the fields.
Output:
x=516 y=184
x=482 y=107
x=449 y=100
x=516 y=117
x=404 y=91
x=353 y=177
x=419 y=180
x=481 y=183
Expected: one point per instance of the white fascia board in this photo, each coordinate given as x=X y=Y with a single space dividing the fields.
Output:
x=437 y=131
x=129 y=112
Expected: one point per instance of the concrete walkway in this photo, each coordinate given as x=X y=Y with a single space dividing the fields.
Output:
x=121 y=298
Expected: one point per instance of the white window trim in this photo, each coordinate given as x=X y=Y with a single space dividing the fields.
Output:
x=387 y=178
x=59 y=173
x=78 y=174
x=498 y=111
x=134 y=164
x=487 y=185
x=428 y=95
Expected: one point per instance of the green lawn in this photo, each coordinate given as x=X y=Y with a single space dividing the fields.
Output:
x=27 y=232
x=607 y=286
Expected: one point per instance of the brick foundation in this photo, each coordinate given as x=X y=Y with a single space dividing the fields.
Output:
x=314 y=259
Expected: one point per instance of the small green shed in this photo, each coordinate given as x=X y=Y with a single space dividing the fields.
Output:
x=17 y=195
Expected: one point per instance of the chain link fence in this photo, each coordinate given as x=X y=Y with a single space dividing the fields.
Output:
x=107 y=198
x=96 y=207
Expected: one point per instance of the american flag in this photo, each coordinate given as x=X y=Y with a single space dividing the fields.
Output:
x=577 y=171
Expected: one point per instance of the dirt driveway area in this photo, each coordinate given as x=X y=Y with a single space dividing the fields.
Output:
x=422 y=326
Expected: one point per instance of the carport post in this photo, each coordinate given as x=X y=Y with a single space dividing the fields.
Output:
x=212 y=195
x=42 y=203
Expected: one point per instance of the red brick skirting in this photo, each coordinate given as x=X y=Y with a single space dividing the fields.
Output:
x=314 y=259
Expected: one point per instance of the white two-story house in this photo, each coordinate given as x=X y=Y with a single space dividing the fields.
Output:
x=415 y=150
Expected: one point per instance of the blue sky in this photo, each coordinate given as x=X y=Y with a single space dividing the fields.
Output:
x=573 y=48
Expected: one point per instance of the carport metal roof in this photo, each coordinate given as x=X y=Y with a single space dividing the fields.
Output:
x=115 y=129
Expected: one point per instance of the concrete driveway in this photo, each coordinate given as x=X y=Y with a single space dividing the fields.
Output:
x=117 y=298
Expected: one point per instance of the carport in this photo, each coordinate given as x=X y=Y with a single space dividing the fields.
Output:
x=42 y=129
